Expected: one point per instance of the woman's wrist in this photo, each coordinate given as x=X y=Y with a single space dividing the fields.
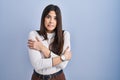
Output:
x=41 y=48
x=46 y=51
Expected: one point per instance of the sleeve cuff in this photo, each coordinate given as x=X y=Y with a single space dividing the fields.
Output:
x=53 y=54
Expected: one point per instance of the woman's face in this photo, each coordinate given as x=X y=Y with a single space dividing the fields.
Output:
x=50 y=21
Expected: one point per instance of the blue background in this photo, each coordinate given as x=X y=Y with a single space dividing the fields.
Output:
x=95 y=38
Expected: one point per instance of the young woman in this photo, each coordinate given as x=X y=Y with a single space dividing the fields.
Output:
x=49 y=47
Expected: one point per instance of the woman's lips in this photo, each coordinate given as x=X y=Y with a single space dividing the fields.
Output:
x=50 y=25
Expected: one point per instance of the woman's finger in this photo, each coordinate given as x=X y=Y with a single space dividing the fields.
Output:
x=30 y=40
x=67 y=48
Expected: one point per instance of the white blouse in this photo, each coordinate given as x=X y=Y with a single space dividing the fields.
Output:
x=44 y=65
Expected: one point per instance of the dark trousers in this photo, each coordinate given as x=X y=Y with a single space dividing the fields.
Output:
x=60 y=76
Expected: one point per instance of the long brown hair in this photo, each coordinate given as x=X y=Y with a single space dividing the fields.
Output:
x=57 y=45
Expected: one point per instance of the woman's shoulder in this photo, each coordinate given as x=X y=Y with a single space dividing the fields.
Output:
x=34 y=32
x=66 y=32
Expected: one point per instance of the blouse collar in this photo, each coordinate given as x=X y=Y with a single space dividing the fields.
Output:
x=50 y=35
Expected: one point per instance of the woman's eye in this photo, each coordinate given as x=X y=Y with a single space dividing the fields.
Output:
x=48 y=16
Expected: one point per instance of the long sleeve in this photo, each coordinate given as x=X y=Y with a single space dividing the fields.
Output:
x=66 y=44
x=36 y=58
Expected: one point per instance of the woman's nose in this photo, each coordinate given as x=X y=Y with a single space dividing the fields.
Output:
x=51 y=20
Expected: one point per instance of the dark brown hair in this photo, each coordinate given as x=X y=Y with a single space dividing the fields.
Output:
x=57 y=45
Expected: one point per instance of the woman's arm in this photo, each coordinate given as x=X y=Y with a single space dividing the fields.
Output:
x=36 y=57
x=38 y=61
x=47 y=53
x=37 y=45
x=58 y=60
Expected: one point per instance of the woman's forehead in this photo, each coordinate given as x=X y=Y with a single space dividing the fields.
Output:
x=52 y=13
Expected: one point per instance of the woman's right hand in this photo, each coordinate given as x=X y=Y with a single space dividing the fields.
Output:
x=67 y=54
x=35 y=44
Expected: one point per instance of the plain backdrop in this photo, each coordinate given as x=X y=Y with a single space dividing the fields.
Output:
x=94 y=26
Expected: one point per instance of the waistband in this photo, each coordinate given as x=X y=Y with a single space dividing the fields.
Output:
x=45 y=77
